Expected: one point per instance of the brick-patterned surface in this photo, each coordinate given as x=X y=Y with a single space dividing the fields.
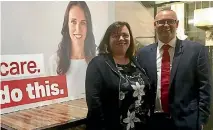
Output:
x=46 y=116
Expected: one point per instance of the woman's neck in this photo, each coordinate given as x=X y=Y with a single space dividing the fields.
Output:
x=77 y=51
x=122 y=59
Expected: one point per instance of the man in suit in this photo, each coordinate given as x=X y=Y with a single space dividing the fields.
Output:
x=180 y=75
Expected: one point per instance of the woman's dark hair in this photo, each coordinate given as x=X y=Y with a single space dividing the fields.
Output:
x=104 y=47
x=64 y=47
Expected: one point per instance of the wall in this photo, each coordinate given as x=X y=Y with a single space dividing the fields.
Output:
x=139 y=17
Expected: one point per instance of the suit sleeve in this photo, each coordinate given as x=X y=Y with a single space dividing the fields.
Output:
x=139 y=58
x=93 y=84
x=204 y=77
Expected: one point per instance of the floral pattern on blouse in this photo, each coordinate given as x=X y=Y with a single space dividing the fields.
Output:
x=134 y=111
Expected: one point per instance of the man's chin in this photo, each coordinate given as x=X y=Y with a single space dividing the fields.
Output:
x=166 y=35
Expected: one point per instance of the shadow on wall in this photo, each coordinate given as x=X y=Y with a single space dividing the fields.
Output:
x=141 y=42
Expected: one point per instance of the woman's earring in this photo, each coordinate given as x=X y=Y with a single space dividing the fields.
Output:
x=106 y=48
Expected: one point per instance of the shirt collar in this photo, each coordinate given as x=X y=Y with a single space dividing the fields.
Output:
x=172 y=43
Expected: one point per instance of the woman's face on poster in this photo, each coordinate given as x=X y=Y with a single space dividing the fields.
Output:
x=77 y=25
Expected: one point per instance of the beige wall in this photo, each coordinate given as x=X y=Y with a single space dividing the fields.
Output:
x=139 y=17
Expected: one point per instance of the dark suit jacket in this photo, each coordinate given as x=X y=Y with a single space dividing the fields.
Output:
x=189 y=90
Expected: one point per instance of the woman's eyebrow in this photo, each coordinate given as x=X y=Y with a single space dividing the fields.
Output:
x=83 y=20
x=73 y=19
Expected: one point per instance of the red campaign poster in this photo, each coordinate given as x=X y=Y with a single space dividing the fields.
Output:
x=42 y=40
x=18 y=92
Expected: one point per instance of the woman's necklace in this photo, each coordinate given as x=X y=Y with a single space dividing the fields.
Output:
x=121 y=62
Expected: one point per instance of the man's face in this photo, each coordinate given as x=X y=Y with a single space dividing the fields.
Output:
x=166 y=24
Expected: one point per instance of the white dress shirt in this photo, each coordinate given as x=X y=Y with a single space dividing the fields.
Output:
x=172 y=43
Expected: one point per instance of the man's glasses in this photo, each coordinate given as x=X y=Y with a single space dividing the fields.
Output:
x=168 y=21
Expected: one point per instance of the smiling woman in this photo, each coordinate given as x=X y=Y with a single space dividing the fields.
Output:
x=117 y=88
x=76 y=48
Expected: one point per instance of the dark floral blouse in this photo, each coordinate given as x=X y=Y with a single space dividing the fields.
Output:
x=132 y=95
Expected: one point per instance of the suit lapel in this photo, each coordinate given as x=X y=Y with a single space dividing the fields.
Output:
x=153 y=62
x=177 y=56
